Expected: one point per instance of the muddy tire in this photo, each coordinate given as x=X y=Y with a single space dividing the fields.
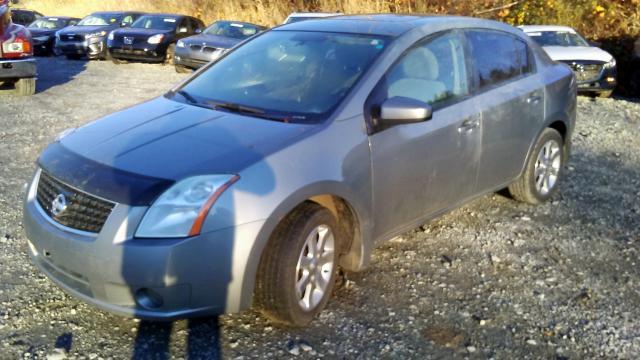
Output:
x=298 y=268
x=544 y=170
x=26 y=87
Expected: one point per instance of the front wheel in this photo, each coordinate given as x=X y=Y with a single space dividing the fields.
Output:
x=26 y=87
x=298 y=268
x=169 y=58
x=543 y=171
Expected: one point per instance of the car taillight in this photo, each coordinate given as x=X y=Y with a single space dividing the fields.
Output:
x=18 y=47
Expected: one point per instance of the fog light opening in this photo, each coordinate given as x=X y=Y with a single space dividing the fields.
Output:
x=148 y=299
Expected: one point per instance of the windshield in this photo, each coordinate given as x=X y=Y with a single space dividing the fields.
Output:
x=558 y=38
x=231 y=29
x=101 y=19
x=47 y=23
x=155 y=22
x=295 y=19
x=301 y=76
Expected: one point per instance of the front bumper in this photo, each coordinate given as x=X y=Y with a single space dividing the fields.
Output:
x=193 y=59
x=607 y=81
x=93 y=48
x=18 y=68
x=158 y=279
x=151 y=53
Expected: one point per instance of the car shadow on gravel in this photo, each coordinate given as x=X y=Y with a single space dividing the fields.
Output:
x=56 y=71
x=153 y=339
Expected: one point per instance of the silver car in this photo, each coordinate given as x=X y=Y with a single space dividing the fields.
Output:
x=256 y=179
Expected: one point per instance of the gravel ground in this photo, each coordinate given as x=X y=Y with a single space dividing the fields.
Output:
x=495 y=279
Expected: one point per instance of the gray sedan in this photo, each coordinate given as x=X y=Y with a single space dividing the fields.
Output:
x=196 y=51
x=255 y=180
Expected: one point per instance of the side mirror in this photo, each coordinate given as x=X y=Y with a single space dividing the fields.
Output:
x=403 y=110
x=182 y=30
x=198 y=31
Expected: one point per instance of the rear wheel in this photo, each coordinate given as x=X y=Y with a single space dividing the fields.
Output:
x=171 y=51
x=26 y=87
x=543 y=171
x=298 y=268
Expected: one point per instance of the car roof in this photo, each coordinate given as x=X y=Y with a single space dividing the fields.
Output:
x=542 y=28
x=238 y=22
x=392 y=25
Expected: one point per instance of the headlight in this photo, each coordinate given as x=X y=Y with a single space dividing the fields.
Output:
x=181 y=210
x=180 y=44
x=96 y=34
x=611 y=64
x=111 y=36
x=41 y=38
x=156 y=39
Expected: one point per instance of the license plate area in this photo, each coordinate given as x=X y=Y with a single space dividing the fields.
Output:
x=128 y=40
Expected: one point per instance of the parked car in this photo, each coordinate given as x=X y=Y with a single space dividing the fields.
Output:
x=88 y=37
x=44 y=31
x=595 y=68
x=196 y=51
x=301 y=16
x=17 y=64
x=152 y=37
x=294 y=154
x=24 y=17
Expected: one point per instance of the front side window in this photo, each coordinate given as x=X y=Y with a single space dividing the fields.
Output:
x=498 y=57
x=434 y=72
x=127 y=20
x=300 y=75
x=557 y=38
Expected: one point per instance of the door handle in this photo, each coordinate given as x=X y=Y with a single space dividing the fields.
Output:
x=469 y=125
x=534 y=98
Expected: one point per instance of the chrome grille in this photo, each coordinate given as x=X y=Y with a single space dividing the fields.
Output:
x=82 y=212
x=586 y=72
x=72 y=37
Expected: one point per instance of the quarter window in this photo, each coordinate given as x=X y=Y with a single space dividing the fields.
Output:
x=434 y=72
x=498 y=57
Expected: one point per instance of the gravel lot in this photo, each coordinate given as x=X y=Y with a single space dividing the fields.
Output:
x=495 y=279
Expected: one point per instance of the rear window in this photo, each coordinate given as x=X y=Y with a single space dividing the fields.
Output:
x=498 y=57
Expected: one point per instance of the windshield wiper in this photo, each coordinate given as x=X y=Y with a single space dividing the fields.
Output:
x=186 y=95
x=241 y=109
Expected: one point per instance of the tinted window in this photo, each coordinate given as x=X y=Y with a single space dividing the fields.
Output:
x=497 y=56
x=434 y=72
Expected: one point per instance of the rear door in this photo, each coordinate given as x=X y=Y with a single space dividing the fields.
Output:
x=512 y=99
x=422 y=168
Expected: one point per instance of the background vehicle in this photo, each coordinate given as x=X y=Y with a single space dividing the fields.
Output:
x=24 y=17
x=301 y=16
x=256 y=179
x=43 y=32
x=635 y=69
x=88 y=37
x=152 y=37
x=17 y=64
x=195 y=51
x=595 y=68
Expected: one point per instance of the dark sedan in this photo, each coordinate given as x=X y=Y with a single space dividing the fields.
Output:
x=220 y=36
x=44 y=31
x=152 y=38
x=88 y=37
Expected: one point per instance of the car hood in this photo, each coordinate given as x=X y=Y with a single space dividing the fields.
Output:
x=42 y=32
x=589 y=53
x=86 y=29
x=159 y=142
x=213 y=41
x=141 y=32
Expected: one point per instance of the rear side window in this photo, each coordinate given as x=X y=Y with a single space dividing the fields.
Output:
x=498 y=57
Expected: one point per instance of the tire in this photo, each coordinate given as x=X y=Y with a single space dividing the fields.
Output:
x=169 y=58
x=182 y=69
x=545 y=166
x=26 y=87
x=605 y=94
x=281 y=293
x=117 y=61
